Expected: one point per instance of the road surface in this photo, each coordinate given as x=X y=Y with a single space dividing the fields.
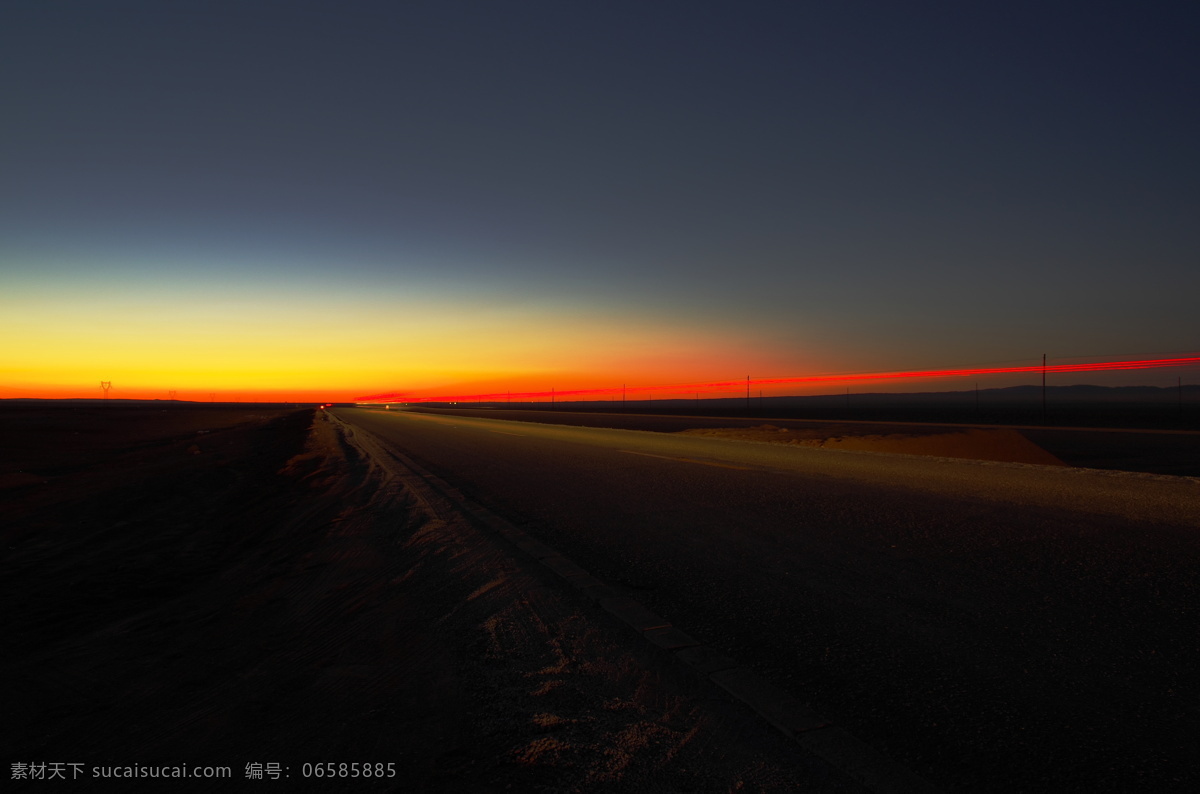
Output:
x=991 y=626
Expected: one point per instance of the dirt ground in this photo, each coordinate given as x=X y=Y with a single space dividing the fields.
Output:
x=1000 y=444
x=226 y=587
x=1103 y=446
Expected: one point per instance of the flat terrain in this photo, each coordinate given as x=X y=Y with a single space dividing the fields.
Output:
x=221 y=587
x=1101 y=447
x=225 y=586
x=994 y=626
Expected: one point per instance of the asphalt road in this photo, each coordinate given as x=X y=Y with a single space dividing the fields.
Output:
x=992 y=626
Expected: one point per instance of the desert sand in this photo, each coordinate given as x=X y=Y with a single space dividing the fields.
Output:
x=999 y=444
x=1110 y=445
x=227 y=587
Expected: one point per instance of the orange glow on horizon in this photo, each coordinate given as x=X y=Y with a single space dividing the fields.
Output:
x=631 y=391
x=254 y=344
x=117 y=392
x=733 y=387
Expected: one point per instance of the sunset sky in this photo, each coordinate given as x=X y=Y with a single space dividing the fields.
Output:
x=316 y=200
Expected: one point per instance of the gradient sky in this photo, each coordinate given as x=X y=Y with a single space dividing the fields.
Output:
x=318 y=200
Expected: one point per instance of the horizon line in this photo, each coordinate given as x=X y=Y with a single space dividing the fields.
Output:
x=749 y=382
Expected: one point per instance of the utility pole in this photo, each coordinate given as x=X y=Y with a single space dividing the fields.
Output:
x=622 y=396
x=1043 y=388
x=105 y=385
x=747 y=395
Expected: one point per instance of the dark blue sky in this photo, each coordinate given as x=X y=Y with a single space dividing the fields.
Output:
x=854 y=185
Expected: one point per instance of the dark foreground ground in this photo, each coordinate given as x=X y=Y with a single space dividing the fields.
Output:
x=236 y=587
x=996 y=627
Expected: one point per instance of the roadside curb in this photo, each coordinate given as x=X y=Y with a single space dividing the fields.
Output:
x=810 y=731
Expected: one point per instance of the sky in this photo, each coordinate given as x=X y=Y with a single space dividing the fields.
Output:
x=322 y=201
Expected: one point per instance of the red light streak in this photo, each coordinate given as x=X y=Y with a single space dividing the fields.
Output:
x=740 y=385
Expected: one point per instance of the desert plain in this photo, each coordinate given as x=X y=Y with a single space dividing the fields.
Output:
x=240 y=585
